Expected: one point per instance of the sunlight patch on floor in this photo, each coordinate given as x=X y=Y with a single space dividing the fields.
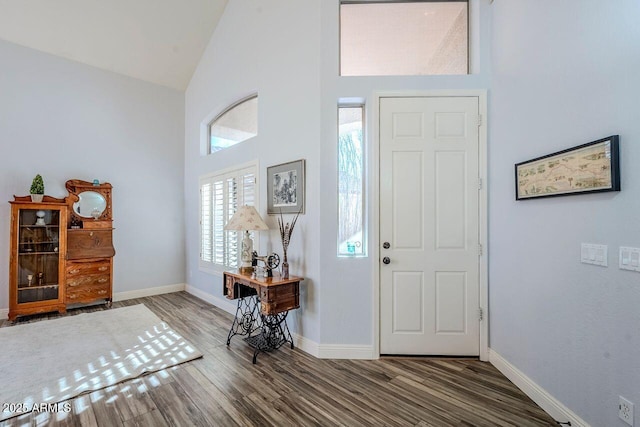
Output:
x=159 y=349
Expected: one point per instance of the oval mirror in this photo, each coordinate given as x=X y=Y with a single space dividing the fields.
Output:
x=90 y=205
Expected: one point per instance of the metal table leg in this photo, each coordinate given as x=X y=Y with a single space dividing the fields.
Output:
x=274 y=333
x=247 y=319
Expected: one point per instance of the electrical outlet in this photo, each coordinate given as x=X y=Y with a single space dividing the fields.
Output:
x=625 y=411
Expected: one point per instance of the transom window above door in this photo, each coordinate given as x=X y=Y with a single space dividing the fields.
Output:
x=235 y=124
x=383 y=38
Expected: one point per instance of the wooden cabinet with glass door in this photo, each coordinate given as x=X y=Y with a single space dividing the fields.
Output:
x=37 y=266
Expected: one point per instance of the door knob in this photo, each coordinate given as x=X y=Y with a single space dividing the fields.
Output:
x=386 y=245
x=386 y=260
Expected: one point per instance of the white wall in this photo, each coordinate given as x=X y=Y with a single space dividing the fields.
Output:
x=287 y=51
x=566 y=73
x=66 y=120
x=273 y=49
x=348 y=283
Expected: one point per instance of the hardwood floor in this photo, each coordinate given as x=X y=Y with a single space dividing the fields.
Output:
x=289 y=387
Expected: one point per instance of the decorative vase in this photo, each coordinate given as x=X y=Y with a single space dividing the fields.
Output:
x=40 y=220
x=285 y=270
x=37 y=198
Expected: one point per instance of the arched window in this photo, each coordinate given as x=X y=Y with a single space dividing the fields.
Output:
x=237 y=123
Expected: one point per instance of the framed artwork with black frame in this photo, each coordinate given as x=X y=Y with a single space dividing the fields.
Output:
x=588 y=168
x=285 y=188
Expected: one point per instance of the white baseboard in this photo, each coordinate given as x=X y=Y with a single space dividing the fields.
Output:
x=140 y=293
x=121 y=296
x=222 y=303
x=306 y=345
x=301 y=342
x=552 y=406
x=342 y=351
x=330 y=351
x=321 y=351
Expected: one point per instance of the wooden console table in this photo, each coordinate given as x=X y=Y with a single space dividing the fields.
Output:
x=266 y=314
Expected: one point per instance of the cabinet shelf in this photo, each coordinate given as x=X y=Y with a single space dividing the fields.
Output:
x=40 y=226
x=37 y=243
x=25 y=287
x=39 y=253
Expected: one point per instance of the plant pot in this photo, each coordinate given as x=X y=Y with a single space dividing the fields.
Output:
x=37 y=198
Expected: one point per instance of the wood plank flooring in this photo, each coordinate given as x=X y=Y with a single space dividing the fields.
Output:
x=289 y=387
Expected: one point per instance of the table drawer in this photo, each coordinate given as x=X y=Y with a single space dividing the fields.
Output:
x=278 y=299
x=229 y=282
x=269 y=293
x=75 y=269
x=237 y=288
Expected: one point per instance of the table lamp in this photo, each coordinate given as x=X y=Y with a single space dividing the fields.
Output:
x=246 y=218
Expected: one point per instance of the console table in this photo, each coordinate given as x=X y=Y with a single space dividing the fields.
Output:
x=263 y=305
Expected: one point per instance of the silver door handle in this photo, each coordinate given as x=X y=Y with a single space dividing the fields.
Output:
x=386 y=260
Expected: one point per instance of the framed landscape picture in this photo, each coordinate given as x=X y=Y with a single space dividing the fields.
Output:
x=587 y=168
x=285 y=188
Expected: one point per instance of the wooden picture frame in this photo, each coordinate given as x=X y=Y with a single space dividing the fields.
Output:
x=286 y=188
x=593 y=167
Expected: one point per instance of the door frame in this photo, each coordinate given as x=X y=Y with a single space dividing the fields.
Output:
x=483 y=218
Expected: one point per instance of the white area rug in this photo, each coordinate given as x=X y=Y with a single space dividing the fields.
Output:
x=54 y=360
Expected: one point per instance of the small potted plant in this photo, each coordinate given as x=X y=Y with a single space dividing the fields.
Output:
x=37 y=189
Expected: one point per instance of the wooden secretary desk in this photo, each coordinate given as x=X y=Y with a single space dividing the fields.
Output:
x=61 y=250
x=90 y=251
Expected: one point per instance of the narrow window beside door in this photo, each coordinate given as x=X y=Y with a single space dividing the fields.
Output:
x=351 y=232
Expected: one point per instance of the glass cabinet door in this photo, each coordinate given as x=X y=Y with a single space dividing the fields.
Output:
x=38 y=255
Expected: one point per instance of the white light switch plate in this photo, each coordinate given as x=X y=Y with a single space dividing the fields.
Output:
x=629 y=258
x=594 y=254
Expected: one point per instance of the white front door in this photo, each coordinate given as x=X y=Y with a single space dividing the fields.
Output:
x=429 y=226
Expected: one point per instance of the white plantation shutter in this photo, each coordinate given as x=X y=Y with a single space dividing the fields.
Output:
x=221 y=195
x=206 y=217
x=249 y=197
x=231 y=236
x=218 y=223
x=249 y=189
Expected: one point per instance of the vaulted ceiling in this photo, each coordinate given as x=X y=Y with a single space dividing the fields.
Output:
x=160 y=41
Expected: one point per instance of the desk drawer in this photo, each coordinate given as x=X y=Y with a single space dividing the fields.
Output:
x=88 y=293
x=88 y=281
x=75 y=269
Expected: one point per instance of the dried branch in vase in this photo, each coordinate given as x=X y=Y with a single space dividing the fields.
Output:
x=286 y=230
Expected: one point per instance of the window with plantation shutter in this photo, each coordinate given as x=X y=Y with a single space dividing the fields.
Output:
x=220 y=196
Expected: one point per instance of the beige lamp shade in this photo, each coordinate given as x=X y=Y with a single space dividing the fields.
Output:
x=246 y=218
